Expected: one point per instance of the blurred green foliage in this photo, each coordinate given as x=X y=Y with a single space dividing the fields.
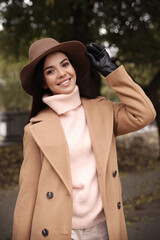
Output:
x=11 y=159
x=130 y=26
x=137 y=151
x=12 y=97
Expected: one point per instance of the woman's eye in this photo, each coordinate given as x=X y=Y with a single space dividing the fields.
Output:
x=65 y=64
x=50 y=71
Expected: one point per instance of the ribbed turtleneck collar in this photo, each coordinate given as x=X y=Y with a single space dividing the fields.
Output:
x=62 y=103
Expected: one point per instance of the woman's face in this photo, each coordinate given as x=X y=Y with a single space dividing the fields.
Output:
x=59 y=75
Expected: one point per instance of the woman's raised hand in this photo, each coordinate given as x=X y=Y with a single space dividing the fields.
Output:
x=100 y=59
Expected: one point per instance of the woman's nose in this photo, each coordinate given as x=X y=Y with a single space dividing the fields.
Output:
x=61 y=73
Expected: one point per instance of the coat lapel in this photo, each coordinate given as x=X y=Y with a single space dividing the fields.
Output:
x=100 y=123
x=48 y=133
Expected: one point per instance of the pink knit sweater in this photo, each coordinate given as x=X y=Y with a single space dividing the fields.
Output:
x=87 y=203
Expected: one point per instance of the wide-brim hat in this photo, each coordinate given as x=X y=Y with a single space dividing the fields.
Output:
x=75 y=50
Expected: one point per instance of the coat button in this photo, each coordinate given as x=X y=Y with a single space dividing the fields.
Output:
x=115 y=173
x=49 y=195
x=45 y=232
x=118 y=205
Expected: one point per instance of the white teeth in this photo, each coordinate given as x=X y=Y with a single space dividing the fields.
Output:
x=63 y=83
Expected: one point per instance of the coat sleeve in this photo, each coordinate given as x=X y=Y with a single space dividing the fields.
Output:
x=29 y=177
x=135 y=110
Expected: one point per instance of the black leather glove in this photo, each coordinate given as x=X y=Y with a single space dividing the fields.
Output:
x=100 y=59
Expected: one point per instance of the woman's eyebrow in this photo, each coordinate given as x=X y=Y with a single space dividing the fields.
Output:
x=63 y=60
x=52 y=66
x=47 y=68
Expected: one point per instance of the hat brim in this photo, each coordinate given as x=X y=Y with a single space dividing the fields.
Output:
x=75 y=50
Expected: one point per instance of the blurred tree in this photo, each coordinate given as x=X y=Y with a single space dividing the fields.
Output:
x=12 y=97
x=131 y=26
x=62 y=19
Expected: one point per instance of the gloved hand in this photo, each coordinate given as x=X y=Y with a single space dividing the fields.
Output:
x=100 y=59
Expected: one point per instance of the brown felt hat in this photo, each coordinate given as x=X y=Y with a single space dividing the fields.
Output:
x=75 y=50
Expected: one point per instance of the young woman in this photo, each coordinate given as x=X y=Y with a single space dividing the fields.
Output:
x=69 y=180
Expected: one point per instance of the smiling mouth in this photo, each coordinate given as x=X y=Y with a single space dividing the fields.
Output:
x=65 y=82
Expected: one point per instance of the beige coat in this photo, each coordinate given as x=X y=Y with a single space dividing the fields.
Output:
x=46 y=165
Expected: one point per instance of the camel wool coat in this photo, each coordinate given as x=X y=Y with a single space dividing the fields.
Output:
x=44 y=205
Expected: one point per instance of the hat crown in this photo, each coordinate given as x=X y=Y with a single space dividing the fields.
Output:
x=41 y=46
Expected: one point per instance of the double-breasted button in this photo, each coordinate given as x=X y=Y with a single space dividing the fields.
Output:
x=118 y=205
x=45 y=232
x=115 y=173
x=49 y=195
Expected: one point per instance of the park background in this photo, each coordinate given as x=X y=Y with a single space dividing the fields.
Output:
x=130 y=31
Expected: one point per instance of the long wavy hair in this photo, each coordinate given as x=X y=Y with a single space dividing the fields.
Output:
x=88 y=87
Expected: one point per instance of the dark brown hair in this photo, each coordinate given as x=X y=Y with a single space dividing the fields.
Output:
x=38 y=90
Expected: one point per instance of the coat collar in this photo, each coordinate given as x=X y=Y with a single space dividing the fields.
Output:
x=48 y=133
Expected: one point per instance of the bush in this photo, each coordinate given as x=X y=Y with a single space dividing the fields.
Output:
x=137 y=151
x=10 y=162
